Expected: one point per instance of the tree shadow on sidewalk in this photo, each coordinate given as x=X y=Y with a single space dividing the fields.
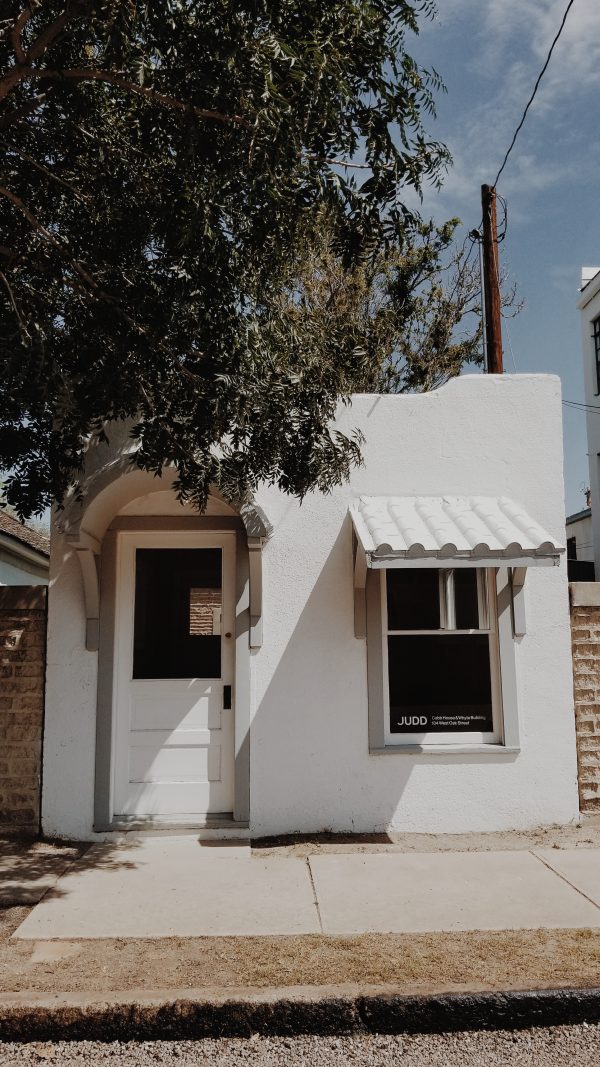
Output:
x=31 y=869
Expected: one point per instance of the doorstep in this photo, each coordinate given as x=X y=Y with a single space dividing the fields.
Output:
x=218 y=827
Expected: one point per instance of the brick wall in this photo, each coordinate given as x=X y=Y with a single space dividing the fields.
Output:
x=585 y=633
x=22 y=669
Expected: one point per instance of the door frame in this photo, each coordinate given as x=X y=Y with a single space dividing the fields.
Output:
x=128 y=543
x=161 y=526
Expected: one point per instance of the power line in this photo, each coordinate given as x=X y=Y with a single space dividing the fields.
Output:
x=580 y=406
x=535 y=89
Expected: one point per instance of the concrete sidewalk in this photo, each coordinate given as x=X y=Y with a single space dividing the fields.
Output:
x=161 y=887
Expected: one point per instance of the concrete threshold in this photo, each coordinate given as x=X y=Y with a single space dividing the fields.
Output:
x=165 y=1014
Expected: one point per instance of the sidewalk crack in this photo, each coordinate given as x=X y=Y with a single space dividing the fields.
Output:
x=565 y=879
x=315 y=898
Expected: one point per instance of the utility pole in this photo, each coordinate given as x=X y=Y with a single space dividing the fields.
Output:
x=491 y=281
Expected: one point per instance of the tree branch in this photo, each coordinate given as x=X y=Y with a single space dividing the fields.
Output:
x=16 y=200
x=35 y=51
x=48 y=36
x=21 y=112
x=15 y=34
x=11 y=297
x=45 y=170
x=91 y=283
x=163 y=99
x=345 y=162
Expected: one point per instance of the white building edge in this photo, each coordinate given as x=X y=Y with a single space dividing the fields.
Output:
x=589 y=306
x=314 y=716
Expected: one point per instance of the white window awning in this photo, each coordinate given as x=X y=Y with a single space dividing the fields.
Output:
x=450 y=531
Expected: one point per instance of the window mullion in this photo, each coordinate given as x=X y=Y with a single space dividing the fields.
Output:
x=483 y=599
x=447 y=605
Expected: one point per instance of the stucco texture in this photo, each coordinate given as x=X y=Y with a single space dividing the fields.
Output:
x=310 y=767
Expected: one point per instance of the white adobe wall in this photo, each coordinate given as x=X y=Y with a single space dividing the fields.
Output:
x=70 y=711
x=589 y=306
x=310 y=765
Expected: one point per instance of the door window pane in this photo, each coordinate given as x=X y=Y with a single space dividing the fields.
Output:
x=466 y=605
x=177 y=625
x=413 y=599
x=205 y=612
x=440 y=683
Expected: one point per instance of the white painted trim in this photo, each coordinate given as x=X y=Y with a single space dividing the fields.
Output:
x=517 y=576
x=256 y=593
x=91 y=594
x=589 y=291
x=418 y=741
x=489 y=562
x=507 y=659
x=491 y=750
x=360 y=581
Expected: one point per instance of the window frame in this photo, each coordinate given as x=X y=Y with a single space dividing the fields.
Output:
x=487 y=614
x=596 y=345
x=505 y=699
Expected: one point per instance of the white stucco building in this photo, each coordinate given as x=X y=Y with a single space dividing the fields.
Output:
x=589 y=306
x=394 y=655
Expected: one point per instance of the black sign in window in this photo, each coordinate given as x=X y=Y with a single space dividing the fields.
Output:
x=440 y=683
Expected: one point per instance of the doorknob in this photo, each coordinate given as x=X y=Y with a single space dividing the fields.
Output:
x=227 y=635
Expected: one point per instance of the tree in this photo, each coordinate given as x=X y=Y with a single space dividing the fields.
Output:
x=165 y=167
x=411 y=307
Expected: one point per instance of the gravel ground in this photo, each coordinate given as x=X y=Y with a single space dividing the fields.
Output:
x=554 y=1047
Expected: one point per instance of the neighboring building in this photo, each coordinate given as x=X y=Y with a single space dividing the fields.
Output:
x=580 y=545
x=24 y=553
x=589 y=306
x=394 y=655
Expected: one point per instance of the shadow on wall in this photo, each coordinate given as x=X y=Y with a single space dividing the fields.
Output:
x=311 y=768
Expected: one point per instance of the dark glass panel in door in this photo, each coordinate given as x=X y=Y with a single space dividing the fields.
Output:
x=178 y=600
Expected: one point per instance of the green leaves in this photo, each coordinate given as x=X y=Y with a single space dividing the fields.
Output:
x=172 y=165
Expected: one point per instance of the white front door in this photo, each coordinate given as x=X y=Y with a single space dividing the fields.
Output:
x=174 y=649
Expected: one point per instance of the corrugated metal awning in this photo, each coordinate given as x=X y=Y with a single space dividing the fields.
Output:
x=433 y=531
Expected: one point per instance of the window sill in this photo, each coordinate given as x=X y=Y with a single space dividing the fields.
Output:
x=446 y=750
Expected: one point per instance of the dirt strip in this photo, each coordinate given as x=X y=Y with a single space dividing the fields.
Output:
x=440 y=962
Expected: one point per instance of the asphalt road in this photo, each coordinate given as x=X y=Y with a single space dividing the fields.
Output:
x=560 y=1046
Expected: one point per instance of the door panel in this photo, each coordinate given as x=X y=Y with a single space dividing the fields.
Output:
x=197 y=705
x=176 y=618
x=158 y=757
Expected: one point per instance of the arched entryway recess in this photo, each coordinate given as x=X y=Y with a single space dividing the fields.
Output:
x=123 y=504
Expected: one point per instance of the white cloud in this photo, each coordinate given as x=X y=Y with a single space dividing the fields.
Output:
x=532 y=25
x=510 y=41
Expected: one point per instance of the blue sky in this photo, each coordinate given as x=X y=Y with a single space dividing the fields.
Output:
x=489 y=53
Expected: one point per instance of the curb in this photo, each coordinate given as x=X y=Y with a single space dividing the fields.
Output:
x=155 y=1016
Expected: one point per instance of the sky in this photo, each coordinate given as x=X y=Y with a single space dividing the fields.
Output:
x=489 y=54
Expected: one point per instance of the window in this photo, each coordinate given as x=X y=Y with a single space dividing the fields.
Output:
x=440 y=656
x=178 y=598
x=596 y=338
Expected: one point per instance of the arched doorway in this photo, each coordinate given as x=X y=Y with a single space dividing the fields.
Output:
x=177 y=613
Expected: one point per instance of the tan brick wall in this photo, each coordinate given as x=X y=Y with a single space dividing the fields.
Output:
x=585 y=634
x=22 y=669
